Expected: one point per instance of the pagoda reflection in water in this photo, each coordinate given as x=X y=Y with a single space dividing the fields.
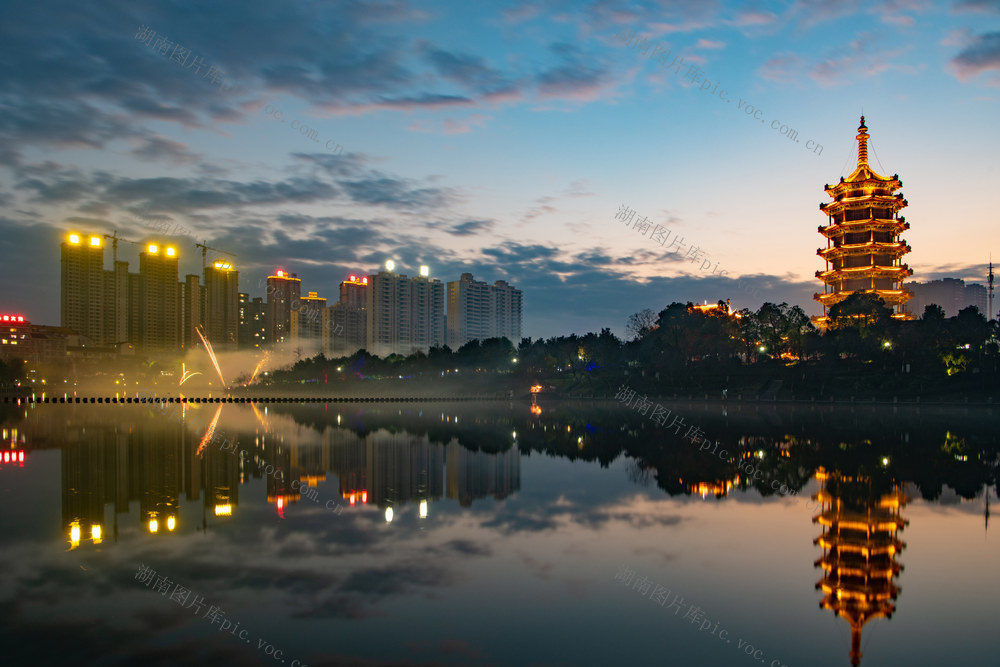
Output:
x=860 y=543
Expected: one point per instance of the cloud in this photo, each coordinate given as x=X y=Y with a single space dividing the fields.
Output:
x=978 y=6
x=397 y=193
x=981 y=54
x=160 y=148
x=471 y=227
x=462 y=126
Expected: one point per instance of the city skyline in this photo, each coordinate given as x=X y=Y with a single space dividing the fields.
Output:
x=499 y=143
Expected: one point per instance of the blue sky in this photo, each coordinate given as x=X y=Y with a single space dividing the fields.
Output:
x=496 y=138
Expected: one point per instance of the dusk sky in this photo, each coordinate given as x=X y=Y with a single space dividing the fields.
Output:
x=494 y=138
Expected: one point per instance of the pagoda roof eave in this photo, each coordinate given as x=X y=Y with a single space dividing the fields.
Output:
x=865 y=173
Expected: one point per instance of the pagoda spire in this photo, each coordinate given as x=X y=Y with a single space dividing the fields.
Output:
x=862 y=144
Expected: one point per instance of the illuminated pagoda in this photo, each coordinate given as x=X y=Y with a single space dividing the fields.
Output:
x=860 y=543
x=864 y=251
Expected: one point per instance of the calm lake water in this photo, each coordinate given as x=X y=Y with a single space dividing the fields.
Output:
x=497 y=534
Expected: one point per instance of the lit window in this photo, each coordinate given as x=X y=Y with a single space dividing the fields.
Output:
x=152 y=248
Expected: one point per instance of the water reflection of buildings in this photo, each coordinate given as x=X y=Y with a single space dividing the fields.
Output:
x=147 y=462
x=12 y=446
x=473 y=475
x=154 y=463
x=860 y=544
x=392 y=469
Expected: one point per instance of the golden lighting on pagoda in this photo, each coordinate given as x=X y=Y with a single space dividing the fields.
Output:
x=224 y=510
x=154 y=525
x=860 y=543
x=95 y=533
x=864 y=248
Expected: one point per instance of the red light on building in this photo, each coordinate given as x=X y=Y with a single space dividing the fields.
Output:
x=353 y=279
x=281 y=274
x=13 y=457
x=364 y=497
x=13 y=318
x=364 y=281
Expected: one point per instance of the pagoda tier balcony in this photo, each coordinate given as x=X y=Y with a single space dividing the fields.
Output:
x=873 y=546
x=843 y=191
x=884 y=566
x=870 y=522
x=881 y=198
x=892 y=225
x=894 y=203
x=872 y=182
x=891 y=297
x=865 y=606
x=870 y=590
x=860 y=611
x=896 y=272
x=894 y=250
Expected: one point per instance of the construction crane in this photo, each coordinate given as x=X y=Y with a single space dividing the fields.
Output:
x=205 y=249
x=114 y=244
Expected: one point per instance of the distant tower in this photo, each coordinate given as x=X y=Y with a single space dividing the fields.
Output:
x=860 y=543
x=82 y=294
x=345 y=323
x=220 y=305
x=989 y=294
x=863 y=246
x=307 y=319
x=403 y=314
x=156 y=302
x=283 y=289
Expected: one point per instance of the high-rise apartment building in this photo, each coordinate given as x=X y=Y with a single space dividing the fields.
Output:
x=505 y=311
x=427 y=311
x=220 y=306
x=307 y=321
x=189 y=303
x=477 y=311
x=345 y=323
x=404 y=315
x=253 y=322
x=283 y=289
x=116 y=303
x=157 y=298
x=83 y=282
x=952 y=294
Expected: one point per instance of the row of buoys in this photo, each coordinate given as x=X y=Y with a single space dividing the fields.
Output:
x=237 y=399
